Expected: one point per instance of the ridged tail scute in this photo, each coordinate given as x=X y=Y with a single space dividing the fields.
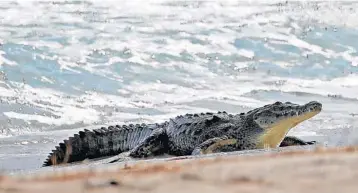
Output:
x=97 y=143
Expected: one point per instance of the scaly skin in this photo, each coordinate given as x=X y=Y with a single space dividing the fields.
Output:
x=191 y=134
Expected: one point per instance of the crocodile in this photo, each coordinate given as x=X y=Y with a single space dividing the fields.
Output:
x=190 y=134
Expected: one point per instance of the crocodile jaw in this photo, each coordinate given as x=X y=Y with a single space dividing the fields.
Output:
x=273 y=136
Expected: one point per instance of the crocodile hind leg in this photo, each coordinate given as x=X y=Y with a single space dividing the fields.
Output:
x=155 y=144
x=213 y=145
x=293 y=141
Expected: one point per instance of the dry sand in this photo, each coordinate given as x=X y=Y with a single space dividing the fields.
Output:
x=321 y=170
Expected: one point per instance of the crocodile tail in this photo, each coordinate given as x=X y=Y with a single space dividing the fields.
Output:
x=106 y=141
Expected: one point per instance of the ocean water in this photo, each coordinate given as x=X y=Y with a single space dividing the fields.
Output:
x=71 y=64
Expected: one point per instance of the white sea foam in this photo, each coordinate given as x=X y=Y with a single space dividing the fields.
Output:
x=5 y=60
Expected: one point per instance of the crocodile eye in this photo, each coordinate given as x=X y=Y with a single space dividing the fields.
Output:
x=278 y=103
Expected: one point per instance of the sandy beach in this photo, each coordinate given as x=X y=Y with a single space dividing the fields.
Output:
x=319 y=170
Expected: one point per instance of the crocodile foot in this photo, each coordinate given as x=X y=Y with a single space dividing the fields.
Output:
x=293 y=141
x=122 y=157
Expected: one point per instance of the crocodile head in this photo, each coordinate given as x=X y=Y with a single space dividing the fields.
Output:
x=278 y=118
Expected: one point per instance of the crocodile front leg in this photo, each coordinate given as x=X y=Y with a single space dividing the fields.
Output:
x=155 y=144
x=292 y=141
x=213 y=145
